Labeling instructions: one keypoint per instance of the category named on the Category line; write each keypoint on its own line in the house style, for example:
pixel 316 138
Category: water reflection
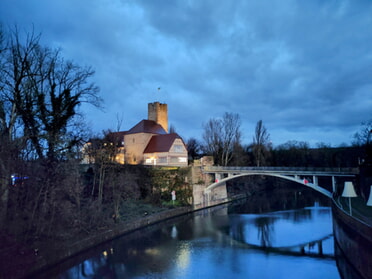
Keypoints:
pixel 223 242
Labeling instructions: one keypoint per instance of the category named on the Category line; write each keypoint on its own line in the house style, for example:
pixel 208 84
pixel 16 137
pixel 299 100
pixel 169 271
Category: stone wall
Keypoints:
pixel 87 243
pixel 135 144
pixel 159 113
pixel 354 238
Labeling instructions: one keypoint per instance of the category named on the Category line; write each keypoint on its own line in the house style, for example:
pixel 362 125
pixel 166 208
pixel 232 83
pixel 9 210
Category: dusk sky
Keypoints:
pixel 302 67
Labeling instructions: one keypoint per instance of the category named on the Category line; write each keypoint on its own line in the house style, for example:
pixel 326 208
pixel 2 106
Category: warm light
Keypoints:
pixel 152 251
pixel 183 257
pixel 105 254
pixel 369 202
pixel 349 191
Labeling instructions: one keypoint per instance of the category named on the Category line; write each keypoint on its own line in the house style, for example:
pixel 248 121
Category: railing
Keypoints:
pixel 294 170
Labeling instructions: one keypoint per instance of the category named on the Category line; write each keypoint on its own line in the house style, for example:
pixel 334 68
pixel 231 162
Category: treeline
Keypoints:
pixel 293 154
pixel 322 157
pixel 222 140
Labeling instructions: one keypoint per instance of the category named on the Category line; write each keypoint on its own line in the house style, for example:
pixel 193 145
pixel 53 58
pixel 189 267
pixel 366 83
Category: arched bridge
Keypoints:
pixel 304 176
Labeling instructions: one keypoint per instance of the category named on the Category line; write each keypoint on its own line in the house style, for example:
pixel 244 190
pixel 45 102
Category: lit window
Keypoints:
pixel 182 159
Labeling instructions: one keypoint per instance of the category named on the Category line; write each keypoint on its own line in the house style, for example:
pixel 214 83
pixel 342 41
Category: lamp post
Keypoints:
pixel 349 192
pixel 369 202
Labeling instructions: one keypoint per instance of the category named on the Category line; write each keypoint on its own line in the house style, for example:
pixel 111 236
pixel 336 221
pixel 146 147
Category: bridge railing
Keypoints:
pixel 281 169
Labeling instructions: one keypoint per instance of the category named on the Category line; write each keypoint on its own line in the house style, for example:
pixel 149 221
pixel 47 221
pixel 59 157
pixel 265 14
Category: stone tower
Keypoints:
pixel 159 113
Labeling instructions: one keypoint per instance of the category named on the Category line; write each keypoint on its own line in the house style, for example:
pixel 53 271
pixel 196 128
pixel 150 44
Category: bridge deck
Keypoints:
pixel 284 170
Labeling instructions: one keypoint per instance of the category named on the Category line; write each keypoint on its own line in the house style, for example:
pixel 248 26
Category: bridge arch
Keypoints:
pixel 223 181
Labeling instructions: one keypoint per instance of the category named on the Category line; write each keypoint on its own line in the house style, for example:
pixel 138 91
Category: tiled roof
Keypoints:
pixel 161 143
pixel 147 126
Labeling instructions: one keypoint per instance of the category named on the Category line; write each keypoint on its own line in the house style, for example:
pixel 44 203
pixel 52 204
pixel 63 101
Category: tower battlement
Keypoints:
pixel 159 113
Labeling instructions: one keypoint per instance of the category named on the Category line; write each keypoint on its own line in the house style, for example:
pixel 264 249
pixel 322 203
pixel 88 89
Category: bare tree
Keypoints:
pixel 12 72
pixel 221 136
pixel 361 138
pixel 40 94
pixel 261 144
pixel 119 121
pixel 231 135
pixel 44 91
pixel 193 148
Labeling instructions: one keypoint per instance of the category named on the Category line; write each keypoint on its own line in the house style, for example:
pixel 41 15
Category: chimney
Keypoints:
pixel 159 113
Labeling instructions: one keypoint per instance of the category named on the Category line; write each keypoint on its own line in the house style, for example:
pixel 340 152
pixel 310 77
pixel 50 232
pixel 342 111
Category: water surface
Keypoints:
pixel 223 242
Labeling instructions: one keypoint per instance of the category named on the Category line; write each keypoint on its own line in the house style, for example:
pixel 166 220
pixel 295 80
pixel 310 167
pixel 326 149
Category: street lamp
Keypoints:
pixel 349 192
pixel 369 202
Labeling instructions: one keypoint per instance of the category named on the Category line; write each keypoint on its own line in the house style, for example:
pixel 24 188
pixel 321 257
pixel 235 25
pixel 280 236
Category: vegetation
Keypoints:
pixel 261 144
pixel 221 136
pixel 290 154
pixel 167 180
pixel 46 194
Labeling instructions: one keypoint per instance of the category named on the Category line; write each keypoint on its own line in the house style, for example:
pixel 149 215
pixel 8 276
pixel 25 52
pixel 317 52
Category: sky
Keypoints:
pixel 302 67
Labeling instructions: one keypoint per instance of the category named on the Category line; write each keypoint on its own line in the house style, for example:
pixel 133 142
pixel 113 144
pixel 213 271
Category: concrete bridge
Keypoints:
pixel 305 176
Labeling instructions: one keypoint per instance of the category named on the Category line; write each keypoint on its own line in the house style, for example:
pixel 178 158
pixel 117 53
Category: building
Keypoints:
pixel 148 142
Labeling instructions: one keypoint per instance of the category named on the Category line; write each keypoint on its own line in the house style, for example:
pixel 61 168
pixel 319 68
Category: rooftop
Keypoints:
pixel 147 126
pixel 161 143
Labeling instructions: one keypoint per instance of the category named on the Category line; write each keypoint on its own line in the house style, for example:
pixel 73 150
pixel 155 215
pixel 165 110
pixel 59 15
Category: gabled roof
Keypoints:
pixel 161 143
pixel 147 126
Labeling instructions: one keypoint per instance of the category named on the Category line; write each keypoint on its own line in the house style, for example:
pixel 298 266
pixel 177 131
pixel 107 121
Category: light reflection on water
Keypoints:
pixel 283 228
pixel 222 243
pixel 212 246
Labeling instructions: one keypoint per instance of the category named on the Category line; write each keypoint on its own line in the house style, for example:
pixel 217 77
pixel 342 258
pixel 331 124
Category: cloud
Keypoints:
pixel 302 67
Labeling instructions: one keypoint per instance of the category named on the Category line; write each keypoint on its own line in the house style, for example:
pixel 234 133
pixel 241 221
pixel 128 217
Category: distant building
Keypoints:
pixel 149 143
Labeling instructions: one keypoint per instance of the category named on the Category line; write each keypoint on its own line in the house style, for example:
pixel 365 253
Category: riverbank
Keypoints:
pixel 353 238
pixel 19 260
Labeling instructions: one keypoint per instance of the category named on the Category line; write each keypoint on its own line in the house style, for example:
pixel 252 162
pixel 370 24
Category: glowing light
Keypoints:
pixel 105 254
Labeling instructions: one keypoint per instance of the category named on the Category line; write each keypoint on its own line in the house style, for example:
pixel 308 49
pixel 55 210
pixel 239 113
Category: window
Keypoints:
pixel 178 148
pixel 173 159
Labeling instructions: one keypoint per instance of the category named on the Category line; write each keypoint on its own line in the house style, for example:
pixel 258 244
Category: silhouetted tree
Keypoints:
pixel 193 148
pixel 292 153
pixel 240 156
pixel 221 136
pixel 40 93
pixel 43 91
pixel 261 144
pixel 362 136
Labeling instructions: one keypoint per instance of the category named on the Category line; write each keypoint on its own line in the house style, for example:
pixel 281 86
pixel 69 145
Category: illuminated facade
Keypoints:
pixel 149 143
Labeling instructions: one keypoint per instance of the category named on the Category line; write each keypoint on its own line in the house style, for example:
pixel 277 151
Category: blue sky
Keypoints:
pixel 302 67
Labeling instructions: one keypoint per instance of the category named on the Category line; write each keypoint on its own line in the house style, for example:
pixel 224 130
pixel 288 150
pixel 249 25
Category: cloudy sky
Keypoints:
pixel 302 67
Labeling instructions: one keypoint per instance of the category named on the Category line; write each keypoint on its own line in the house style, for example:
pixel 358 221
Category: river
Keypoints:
pixel 238 240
